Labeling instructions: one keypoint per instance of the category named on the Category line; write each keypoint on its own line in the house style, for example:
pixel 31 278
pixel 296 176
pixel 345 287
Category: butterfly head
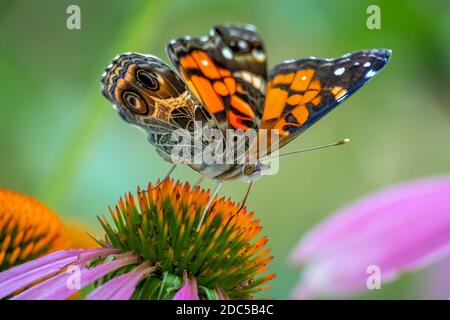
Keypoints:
pixel 134 83
pixel 254 171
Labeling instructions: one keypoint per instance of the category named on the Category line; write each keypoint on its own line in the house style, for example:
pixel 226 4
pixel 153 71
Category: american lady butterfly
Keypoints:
pixel 222 82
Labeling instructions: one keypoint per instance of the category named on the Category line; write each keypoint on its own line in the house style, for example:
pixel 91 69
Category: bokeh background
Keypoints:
pixel 61 141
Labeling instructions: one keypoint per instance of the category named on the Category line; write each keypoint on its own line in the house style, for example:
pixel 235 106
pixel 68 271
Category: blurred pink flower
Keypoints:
pixel 437 281
pixel 401 228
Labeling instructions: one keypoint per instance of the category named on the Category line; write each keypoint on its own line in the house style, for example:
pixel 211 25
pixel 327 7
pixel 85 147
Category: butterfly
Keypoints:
pixel 221 81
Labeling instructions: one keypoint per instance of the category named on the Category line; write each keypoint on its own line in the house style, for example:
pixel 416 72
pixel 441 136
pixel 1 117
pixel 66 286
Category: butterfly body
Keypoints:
pixel 222 84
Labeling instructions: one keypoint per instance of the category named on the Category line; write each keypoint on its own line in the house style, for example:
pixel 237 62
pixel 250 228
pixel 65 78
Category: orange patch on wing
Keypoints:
pixel 224 72
pixel 231 84
pixel 312 92
pixel 207 94
pixel 308 96
pixel 283 78
pixel 206 65
pixel 221 88
pixel 235 121
pixel 239 88
pixel 314 85
pixel 242 106
pixel 274 103
pixel 279 126
pixel 316 100
pixel 294 99
pixel 302 79
pixel 188 62
pixel 338 92
pixel 300 113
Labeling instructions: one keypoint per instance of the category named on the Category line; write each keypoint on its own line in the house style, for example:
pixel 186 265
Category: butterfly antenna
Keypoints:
pixel 335 144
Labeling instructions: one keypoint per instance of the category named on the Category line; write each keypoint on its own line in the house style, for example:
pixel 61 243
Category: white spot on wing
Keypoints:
pixel 246 76
pixel 205 62
pixel 339 71
pixel 257 82
pixel 234 33
pixel 367 64
pixel 242 44
pixel 341 97
pixel 250 27
pixel 227 53
pixel 371 73
pixel 259 55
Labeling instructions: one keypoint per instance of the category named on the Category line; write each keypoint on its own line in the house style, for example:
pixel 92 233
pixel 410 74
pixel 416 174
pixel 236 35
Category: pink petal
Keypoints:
pixel 401 228
pixel 25 274
pixel 121 287
pixel 437 281
pixel 57 288
pixel 188 291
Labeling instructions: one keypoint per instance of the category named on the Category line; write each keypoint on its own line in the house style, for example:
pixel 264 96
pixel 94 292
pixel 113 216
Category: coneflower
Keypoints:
pixel 153 250
pixel 28 229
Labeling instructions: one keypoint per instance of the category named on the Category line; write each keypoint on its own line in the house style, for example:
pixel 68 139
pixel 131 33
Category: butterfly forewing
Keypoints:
pixel 301 92
pixel 226 70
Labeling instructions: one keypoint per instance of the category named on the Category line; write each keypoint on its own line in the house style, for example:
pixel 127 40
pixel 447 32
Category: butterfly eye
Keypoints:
pixel 134 102
pixel 248 170
pixel 147 79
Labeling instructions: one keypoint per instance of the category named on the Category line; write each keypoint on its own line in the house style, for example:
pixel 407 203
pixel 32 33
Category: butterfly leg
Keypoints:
pixel 246 196
pixel 216 190
pixel 198 181
pixel 167 176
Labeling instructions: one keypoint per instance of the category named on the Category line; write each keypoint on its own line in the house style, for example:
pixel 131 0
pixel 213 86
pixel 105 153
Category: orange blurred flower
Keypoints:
pixel 29 229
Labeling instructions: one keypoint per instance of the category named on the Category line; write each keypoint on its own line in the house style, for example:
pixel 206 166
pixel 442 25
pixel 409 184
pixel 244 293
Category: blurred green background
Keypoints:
pixel 62 142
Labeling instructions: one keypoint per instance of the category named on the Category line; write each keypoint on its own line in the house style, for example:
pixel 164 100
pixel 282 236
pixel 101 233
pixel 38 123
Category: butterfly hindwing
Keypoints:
pixel 301 92
pixel 150 95
pixel 226 71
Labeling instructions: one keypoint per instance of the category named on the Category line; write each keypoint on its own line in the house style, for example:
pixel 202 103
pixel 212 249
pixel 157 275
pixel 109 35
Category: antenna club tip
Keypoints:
pixel 345 141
